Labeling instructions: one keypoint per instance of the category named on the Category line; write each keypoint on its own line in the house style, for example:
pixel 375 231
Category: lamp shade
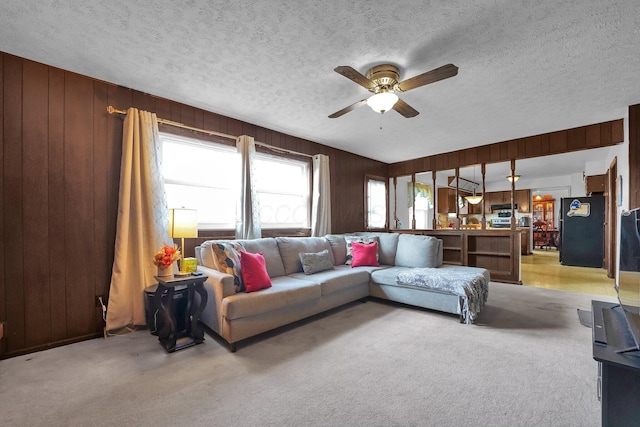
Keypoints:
pixel 475 199
pixel 383 101
pixel 183 223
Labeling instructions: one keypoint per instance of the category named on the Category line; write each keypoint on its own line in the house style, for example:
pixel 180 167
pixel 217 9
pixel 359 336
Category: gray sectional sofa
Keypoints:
pixel 294 295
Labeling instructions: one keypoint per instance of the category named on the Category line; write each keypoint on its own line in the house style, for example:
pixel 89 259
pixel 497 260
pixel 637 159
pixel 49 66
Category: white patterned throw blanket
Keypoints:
pixel 471 287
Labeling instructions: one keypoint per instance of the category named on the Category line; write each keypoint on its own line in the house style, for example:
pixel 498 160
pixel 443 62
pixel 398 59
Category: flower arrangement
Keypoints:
pixel 166 256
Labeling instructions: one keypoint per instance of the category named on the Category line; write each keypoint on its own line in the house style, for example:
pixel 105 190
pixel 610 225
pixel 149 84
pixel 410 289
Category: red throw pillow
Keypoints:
pixel 254 272
pixel 364 254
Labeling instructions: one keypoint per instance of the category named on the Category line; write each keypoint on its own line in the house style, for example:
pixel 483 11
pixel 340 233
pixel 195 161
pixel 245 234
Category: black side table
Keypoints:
pixel 168 335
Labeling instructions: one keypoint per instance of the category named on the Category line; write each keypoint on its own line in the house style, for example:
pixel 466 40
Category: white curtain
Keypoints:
pixel 248 209
pixel 142 220
pixel 321 204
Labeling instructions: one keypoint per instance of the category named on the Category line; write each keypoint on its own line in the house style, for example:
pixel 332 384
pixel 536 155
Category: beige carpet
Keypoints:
pixel 527 362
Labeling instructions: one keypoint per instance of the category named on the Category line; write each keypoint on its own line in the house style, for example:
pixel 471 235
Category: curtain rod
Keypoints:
pixel 112 110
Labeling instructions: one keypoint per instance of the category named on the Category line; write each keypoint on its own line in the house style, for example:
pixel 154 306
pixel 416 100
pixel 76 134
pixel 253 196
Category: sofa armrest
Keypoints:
pixel 218 286
pixel 221 282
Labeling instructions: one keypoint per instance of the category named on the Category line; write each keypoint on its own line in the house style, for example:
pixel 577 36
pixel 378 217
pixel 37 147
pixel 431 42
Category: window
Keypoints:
pixel 283 189
pixel 424 204
pixel 206 176
pixel 203 176
pixel 376 202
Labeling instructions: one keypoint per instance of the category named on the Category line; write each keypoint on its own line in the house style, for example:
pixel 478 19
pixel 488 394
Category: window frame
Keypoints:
pixel 205 140
pixel 291 158
pixel 368 178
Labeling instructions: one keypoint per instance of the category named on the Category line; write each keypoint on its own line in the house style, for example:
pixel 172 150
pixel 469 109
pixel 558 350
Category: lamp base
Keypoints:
pixel 182 274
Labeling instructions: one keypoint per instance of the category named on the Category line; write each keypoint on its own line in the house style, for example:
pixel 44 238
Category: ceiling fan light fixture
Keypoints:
pixel 513 178
pixel 382 102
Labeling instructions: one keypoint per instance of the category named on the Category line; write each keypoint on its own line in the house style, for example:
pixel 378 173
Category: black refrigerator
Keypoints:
pixel 582 231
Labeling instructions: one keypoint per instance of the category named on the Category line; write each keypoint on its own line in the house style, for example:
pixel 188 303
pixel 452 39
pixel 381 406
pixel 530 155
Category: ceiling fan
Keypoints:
pixel 382 81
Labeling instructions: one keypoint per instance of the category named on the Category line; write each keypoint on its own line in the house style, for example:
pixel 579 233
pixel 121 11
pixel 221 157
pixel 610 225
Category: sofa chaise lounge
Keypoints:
pixel 294 294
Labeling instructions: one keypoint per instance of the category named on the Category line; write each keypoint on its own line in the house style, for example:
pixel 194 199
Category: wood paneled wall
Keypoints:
pixel 580 138
pixel 60 154
pixel 634 156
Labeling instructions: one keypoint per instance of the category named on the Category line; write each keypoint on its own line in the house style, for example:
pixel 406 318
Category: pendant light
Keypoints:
pixel 475 198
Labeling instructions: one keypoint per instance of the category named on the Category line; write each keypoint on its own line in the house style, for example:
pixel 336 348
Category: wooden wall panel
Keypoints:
pixel 12 204
pixel 56 207
pixel 78 196
pixel 558 142
pixel 35 203
pixel 103 235
pixel 581 138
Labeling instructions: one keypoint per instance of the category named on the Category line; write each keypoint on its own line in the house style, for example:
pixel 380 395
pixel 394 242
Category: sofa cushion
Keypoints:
pixel 268 247
pixel 206 255
pixel 198 256
pixel 340 278
pixel 254 272
pixel 284 292
pixel 387 246
pixel 226 259
pixel 314 262
pixel 338 247
pixel 418 251
pixel 364 254
pixel 291 248
pixel 357 239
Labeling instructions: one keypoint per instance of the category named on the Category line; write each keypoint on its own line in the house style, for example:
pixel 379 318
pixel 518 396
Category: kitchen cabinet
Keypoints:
pixel 447 201
pixel 475 209
pixel 522 199
pixel 595 184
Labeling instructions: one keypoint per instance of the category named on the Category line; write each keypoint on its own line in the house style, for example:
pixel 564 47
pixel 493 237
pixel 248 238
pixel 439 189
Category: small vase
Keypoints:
pixel 164 271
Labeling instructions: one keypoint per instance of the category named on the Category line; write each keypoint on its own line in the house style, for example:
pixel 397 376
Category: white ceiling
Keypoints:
pixel 525 67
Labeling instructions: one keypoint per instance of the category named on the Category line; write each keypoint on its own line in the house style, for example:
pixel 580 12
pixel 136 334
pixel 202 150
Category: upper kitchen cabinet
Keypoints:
pixel 595 184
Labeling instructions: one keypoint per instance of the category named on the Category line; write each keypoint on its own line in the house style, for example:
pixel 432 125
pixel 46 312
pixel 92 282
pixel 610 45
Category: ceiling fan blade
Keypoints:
pixel 347 109
pixel 355 76
pixel 405 109
pixel 432 76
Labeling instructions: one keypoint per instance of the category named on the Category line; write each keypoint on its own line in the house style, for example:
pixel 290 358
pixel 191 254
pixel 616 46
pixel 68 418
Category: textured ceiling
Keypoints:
pixel 524 67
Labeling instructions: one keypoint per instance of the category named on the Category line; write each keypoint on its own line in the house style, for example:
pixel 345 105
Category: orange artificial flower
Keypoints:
pixel 166 256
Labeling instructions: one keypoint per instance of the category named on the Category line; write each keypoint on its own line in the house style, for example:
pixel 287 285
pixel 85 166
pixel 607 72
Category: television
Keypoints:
pixel 628 278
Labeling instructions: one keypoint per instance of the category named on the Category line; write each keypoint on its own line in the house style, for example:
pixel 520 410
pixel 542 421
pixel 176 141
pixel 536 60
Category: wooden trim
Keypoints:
pixel 367 178
pixel 581 138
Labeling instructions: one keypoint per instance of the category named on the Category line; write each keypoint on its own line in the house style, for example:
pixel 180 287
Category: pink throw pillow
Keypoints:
pixel 364 254
pixel 254 272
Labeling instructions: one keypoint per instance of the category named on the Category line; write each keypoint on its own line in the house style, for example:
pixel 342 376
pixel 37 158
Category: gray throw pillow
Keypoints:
pixel 314 262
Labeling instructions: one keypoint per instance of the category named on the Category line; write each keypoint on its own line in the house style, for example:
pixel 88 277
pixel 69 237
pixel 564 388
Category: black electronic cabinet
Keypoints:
pixel 618 370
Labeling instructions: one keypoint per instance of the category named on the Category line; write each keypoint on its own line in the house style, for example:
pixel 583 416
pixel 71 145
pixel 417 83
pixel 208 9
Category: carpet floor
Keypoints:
pixel 526 362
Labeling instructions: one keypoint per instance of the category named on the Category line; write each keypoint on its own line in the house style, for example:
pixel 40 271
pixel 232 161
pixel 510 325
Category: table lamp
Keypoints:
pixel 183 223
